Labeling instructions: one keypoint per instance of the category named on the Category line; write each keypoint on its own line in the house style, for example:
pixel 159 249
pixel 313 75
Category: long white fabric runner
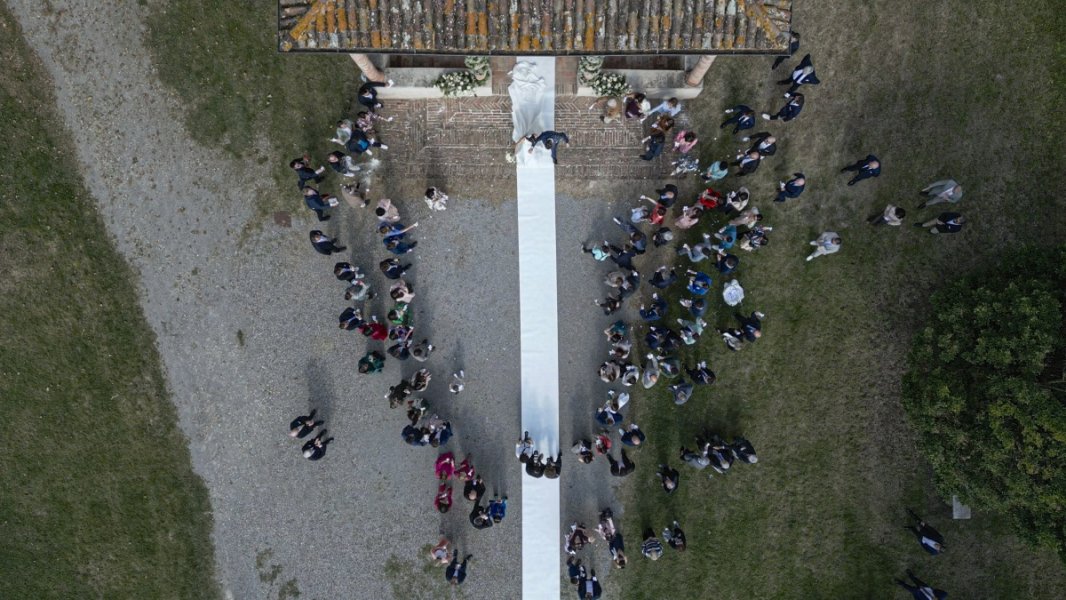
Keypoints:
pixel 533 109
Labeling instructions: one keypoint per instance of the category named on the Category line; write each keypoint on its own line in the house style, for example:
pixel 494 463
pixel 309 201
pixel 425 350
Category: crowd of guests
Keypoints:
pixel 726 220
pixel 393 336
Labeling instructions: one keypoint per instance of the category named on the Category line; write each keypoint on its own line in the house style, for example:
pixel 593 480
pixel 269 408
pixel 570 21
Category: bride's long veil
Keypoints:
pixel 527 91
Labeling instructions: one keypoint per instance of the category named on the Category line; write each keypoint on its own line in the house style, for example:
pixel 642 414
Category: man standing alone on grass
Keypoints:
pixel 791 188
pixel 827 243
pixel 864 169
pixel 945 190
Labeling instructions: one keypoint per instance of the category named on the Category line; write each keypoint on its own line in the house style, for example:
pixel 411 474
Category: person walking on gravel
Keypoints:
pixel 318 203
pixel 392 268
pixel 323 244
pixel 455 574
pixel 315 448
pixel 497 508
pixel 303 425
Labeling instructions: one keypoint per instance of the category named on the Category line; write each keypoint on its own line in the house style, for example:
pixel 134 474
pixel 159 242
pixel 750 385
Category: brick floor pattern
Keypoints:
pixel 469 138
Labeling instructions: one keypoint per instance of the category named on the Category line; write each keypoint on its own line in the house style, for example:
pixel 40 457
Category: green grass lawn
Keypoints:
pixel 955 89
pixel 99 499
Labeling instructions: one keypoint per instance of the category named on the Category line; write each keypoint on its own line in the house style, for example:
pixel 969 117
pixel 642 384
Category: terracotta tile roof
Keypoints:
pixel 535 26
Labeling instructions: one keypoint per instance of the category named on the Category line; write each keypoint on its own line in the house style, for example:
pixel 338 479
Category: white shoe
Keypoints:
pixel 369 153
pixel 729 111
pixel 391 83
pixel 383 147
pixel 809 258
pixel 766 116
pixel 744 139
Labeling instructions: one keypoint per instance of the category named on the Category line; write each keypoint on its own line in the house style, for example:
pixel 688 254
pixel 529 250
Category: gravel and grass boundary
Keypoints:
pixel 99 498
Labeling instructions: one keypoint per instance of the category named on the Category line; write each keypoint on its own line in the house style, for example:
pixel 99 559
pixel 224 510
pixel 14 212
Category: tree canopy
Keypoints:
pixel 986 390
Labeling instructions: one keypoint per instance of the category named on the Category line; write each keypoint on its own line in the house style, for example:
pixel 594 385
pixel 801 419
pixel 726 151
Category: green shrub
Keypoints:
pixel 986 392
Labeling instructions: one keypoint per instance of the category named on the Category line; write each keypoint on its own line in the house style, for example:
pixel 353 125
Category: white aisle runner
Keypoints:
pixel 533 109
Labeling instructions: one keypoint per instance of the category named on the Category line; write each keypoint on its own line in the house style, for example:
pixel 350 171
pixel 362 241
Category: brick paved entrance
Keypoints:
pixel 450 139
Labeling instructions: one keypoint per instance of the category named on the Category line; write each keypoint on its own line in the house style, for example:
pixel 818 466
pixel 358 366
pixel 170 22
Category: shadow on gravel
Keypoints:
pixel 320 389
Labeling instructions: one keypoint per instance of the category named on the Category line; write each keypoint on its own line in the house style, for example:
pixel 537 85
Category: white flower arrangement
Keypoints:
pixel 456 83
pixel 610 84
pixel 589 69
pixel 479 67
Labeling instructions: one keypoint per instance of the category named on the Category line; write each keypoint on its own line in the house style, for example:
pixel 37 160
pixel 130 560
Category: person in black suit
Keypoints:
pixel 392 268
pixel 456 572
pixel 764 143
pixel 623 468
pixel 303 425
pixel 803 74
pixel 345 271
pixel 315 448
pixel 793 46
pixel 588 588
pixel 316 202
pixel 789 111
pixel 305 173
pixel 324 244
pixel 921 590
